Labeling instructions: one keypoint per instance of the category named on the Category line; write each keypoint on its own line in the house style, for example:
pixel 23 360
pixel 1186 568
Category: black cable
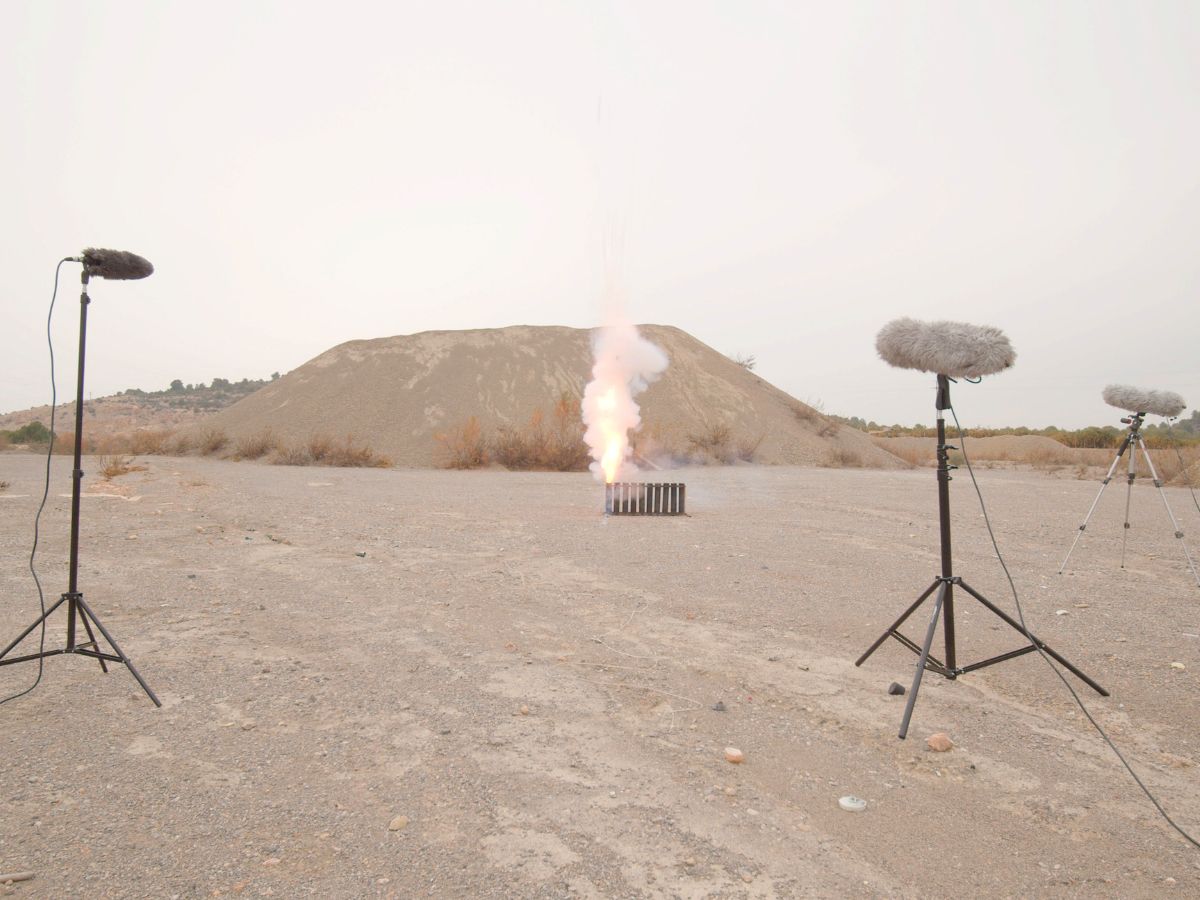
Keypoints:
pixel 45 493
pixel 1025 630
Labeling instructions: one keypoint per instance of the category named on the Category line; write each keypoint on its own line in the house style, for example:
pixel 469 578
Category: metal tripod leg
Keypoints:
pixel 900 621
pixel 1167 506
pixel 1128 499
pixel 86 612
pixel 1096 502
pixel 28 631
pixel 87 626
pixel 916 684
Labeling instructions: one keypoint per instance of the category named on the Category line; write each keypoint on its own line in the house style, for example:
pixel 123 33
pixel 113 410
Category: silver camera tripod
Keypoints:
pixel 1132 442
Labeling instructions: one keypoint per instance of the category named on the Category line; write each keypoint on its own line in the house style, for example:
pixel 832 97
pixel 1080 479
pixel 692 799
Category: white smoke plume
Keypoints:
pixel 626 364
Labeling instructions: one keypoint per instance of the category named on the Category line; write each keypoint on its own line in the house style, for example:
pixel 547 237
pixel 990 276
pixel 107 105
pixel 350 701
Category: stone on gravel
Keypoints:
pixel 398 823
pixel 939 742
pixel 734 755
pixel 896 689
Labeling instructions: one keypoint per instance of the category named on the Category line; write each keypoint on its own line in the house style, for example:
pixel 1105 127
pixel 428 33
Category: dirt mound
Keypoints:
pixel 396 394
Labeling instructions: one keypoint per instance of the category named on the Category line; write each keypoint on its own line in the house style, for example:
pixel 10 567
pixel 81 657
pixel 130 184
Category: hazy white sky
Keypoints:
pixel 778 179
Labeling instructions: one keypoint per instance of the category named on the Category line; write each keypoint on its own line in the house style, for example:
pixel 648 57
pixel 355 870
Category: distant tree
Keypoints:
pixel 33 433
pixel 274 376
pixel 176 386
pixel 220 384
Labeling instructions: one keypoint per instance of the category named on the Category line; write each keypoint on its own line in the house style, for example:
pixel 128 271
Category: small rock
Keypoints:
pixel 896 689
pixel 939 742
pixel 524 710
pixel 273 861
pixel 747 877
pixel 398 824
pixel 360 555
pixel 719 706
pixel 734 755
pixel 1060 612
pixel 690 861
pixel 1178 665
pixel 730 792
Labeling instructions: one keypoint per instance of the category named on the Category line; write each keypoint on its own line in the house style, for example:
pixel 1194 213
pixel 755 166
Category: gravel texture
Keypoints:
pixel 510 696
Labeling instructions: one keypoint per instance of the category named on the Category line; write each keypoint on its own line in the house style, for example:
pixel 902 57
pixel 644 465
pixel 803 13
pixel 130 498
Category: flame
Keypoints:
pixel 625 365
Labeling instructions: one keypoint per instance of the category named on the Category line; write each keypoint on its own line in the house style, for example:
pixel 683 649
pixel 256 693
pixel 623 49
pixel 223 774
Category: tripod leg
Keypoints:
pixel 1034 639
pixel 1170 514
pixel 1095 503
pixel 28 631
pixel 1128 498
pixel 88 614
pixel 87 626
pixel 916 685
pixel 900 621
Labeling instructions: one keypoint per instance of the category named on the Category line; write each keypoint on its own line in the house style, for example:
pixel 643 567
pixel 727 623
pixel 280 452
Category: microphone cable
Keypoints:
pixel 1025 630
pixel 45 493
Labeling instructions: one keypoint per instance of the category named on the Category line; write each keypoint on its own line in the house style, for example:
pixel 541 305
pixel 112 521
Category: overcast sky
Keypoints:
pixel 779 179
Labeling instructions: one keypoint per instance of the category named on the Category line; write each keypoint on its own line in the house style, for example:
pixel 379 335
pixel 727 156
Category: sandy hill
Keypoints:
pixel 395 394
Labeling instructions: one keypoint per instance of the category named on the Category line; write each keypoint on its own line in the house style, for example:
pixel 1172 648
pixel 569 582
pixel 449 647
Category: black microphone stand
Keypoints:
pixel 77 608
pixel 944 585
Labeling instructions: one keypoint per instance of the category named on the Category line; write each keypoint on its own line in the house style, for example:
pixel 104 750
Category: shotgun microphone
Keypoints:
pixel 115 265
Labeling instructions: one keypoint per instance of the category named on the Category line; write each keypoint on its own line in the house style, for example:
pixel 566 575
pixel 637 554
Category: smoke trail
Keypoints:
pixel 626 364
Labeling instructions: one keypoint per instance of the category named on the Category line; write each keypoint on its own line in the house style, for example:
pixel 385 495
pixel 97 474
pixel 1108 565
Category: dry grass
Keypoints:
pixel 255 446
pixel 554 446
pixel 150 441
pixel 463 447
pixel 212 441
pixel 64 443
pixel 841 458
pixel 322 450
pixel 714 444
pixel 747 448
pixel 4 441
pixel 116 465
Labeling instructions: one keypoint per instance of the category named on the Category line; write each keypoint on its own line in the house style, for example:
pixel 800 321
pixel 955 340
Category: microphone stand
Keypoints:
pixel 943 605
pixel 77 608
pixel 1132 441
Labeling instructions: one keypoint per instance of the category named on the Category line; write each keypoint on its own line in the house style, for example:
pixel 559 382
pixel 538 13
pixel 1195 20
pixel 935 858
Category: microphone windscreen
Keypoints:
pixel 115 264
pixel 945 348
pixel 1132 399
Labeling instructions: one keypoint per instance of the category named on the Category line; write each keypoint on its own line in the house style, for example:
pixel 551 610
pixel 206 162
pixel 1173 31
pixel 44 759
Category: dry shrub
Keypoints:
pixel 1048 458
pixel 256 445
pixel 212 440
pixel 554 447
pixel 116 465
pixel 4 441
pixel 914 455
pixel 463 447
pixel 841 458
pixel 150 441
pixel 1177 465
pixel 64 443
pixel 292 455
pixel 344 453
pixel 747 449
pixel 318 448
pixel 179 445
pixel 714 443
pixel 4 485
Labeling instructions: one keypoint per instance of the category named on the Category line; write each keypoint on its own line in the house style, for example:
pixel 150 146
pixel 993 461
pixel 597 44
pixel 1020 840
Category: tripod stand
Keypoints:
pixel 77 608
pixel 1132 437
pixel 942 589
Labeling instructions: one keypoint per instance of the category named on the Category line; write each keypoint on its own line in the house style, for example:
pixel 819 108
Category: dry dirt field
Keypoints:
pixel 532 688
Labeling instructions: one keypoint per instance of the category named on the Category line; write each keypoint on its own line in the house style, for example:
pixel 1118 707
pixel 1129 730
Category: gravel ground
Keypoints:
pixel 523 690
